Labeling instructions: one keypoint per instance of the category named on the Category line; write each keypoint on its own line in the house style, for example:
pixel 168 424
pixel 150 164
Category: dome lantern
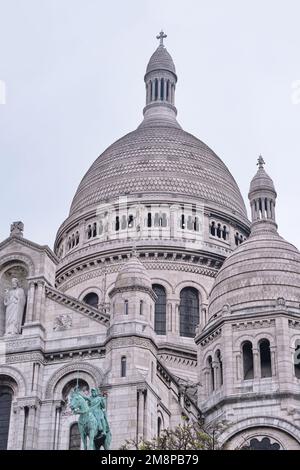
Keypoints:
pixel 262 197
pixel 160 80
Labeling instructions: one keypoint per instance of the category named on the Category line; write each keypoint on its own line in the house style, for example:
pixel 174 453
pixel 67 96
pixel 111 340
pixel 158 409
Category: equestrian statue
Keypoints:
pixel 92 422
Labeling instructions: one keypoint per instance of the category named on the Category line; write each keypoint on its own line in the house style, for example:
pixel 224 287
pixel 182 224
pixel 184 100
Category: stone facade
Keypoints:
pixel 134 299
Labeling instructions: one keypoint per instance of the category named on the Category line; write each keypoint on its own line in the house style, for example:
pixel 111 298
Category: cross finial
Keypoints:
pixel 161 36
pixel 260 162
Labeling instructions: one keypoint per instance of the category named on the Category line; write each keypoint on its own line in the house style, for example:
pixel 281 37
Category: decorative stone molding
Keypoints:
pixel 77 306
pixel 294 324
pixel 16 257
pixel 95 373
pixel 210 338
pixel 245 325
pixel 163 261
pixel 17 376
pixel 178 361
pixel 131 341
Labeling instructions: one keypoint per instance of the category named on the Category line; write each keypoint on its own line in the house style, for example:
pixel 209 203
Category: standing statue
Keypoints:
pixel 92 421
pixel 14 301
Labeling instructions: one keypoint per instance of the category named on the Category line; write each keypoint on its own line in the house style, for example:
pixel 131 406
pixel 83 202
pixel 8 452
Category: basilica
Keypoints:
pixel 159 294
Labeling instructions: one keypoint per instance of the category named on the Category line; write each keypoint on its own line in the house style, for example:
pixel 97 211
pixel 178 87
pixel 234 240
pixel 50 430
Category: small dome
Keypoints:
pixel 161 60
pixel 262 269
pixel 133 274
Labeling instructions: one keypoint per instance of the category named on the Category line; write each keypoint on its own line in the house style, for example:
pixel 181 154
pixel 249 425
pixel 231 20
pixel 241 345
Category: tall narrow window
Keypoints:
pixel 213 229
pixel 156 89
pixel 189 311
pixel 162 89
pixel 182 222
pixel 160 309
pixel 248 360
pixel 211 375
pixel 265 358
pixel 159 425
pixel 220 368
pixel 5 410
pixel 130 221
pixel 149 220
pixel 123 366
pixel 141 307
pixel 74 439
pixel 126 307
pixel 117 224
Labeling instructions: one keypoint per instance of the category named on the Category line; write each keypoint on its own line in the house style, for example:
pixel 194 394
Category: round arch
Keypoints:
pixel 249 424
pixel 91 374
pixel 17 377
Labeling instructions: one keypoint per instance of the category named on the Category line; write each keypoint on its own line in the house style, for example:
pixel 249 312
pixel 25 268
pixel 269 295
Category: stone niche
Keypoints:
pixel 7 273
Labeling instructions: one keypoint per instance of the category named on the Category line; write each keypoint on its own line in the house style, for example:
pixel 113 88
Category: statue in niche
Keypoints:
pixel 14 302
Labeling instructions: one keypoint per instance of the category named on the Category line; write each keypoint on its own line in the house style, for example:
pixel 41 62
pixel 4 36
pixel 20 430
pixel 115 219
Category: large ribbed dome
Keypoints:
pixel 164 160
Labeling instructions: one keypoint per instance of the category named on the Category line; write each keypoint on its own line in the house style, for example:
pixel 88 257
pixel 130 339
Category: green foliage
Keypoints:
pixel 186 436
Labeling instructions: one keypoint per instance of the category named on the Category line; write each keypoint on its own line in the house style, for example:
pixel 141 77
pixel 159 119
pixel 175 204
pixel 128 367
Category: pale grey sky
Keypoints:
pixel 73 71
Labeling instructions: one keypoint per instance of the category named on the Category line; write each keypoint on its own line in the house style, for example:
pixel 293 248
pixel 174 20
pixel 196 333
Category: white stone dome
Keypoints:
pixel 159 159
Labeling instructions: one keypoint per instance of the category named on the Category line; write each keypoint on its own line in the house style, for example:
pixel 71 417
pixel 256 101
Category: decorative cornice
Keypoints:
pixel 78 306
pixel 30 244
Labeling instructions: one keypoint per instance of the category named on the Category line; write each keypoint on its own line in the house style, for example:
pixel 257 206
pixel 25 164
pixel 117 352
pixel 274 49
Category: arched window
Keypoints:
pixel 265 358
pixel 211 377
pixel 117 223
pixel 219 231
pixel 297 359
pixel 149 220
pixel 248 360
pixel 6 395
pixel 123 366
pixel 141 307
pixel 159 425
pixel 213 229
pixel 125 307
pixel 219 368
pixel 189 311
pixel 160 309
pixel 74 439
pixel 91 299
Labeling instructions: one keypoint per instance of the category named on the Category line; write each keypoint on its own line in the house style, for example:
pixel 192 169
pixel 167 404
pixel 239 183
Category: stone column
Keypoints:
pixel 256 364
pixel 57 427
pixel 39 297
pixel 273 361
pixel 29 438
pixel 215 366
pixel 239 369
pixel 30 302
pixel 159 89
pixel 165 89
pixel 19 425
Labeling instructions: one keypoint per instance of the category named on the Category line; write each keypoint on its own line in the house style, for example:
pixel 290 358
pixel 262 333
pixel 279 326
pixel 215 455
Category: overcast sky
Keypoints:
pixel 73 72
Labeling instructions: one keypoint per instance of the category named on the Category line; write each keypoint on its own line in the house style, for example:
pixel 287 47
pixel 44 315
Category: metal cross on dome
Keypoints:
pixel 260 162
pixel 161 36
